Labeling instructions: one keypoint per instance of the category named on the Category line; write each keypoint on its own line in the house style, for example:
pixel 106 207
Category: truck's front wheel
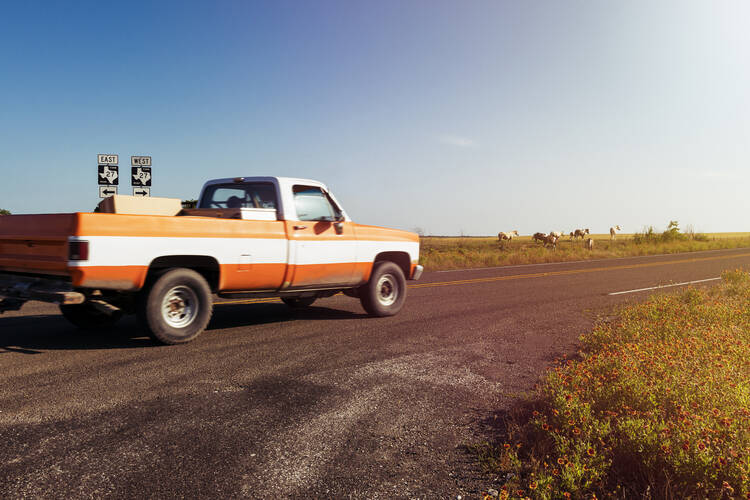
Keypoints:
pixel 177 307
pixel 385 293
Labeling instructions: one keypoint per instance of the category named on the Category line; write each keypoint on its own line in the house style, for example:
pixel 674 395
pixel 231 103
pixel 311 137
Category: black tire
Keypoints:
pixel 298 302
pixel 385 293
pixel 87 317
pixel 176 308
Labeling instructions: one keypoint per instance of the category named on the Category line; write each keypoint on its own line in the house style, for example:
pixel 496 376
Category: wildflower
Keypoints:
pixel 591 452
pixel 533 486
pixel 701 445
pixel 716 412
pixel 576 431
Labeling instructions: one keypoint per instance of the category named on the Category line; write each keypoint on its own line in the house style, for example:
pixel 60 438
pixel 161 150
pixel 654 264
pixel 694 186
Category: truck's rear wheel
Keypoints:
pixel 87 317
pixel 298 302
pixel 385 293
pixel 177 307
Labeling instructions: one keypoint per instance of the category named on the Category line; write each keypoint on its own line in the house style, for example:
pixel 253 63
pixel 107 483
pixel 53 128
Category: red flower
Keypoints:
pixel 591 452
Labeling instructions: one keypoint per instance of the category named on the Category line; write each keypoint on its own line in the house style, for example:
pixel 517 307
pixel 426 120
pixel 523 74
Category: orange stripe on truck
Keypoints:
pixel 109 277
pixel 179 227
pixel 233 276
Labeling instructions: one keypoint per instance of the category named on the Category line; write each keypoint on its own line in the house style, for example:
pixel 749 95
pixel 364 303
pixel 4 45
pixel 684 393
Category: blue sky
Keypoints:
pixel 454 117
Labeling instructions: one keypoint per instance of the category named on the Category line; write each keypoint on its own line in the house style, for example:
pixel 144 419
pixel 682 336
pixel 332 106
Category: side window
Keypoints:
pixel 312 204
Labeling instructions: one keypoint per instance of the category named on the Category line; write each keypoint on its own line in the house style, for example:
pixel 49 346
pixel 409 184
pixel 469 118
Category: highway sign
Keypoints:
pixel 105 191
pixel 141 191
pixel 140 161
pixel 108 175
pixel 107 159
pixel 140 176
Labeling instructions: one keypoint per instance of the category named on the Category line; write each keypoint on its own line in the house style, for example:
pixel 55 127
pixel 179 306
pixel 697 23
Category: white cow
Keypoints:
pixel 613 232
pixel 507 236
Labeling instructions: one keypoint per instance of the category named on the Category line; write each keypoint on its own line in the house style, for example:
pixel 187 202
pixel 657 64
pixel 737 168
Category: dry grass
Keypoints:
pixel 439 253
pixel 657 406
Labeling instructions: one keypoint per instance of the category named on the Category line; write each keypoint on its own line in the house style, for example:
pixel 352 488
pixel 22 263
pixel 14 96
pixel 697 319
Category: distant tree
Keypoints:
pixel 189 203
pixel 4 212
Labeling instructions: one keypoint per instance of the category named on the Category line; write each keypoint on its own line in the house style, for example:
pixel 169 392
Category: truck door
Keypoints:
pixel 322 245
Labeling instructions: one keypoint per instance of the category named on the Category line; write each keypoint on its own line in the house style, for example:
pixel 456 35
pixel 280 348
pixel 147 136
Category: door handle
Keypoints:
pixel 300 227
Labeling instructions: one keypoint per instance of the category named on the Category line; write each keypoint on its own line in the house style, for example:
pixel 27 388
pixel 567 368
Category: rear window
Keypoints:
pixel 249 195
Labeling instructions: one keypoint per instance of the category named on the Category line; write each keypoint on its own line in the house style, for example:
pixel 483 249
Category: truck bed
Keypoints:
pixel 121 246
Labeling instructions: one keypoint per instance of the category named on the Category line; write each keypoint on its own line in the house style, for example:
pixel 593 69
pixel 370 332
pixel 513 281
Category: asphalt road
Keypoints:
pixel 323 402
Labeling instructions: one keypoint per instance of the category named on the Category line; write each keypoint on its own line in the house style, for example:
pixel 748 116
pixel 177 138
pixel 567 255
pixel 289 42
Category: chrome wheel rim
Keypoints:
pixel 179 307
pixel 387 290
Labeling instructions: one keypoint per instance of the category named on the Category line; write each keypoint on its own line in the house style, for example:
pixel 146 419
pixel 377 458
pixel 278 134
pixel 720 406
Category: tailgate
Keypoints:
pixel 36 244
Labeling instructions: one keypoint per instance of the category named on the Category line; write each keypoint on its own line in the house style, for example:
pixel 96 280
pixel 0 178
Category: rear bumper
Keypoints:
pixel 417 272
pixel 15 290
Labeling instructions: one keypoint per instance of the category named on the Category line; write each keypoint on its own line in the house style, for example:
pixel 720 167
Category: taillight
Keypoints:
pixel 78 250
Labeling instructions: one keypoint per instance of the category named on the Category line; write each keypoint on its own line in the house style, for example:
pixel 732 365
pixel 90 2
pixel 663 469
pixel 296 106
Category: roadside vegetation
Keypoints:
pixel 439 253
pixel 4 211
pixel 657 405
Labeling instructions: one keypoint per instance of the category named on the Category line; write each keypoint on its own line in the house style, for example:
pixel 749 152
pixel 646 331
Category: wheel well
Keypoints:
pixel 401 259
pixel 206 266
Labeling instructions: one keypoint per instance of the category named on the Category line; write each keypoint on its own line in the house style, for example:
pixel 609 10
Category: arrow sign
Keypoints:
pixel 108 175
pixel 141 176
pixel 105 191
pixel 142 191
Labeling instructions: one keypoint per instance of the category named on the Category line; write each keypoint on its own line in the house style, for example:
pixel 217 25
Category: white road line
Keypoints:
pixel 585 261
pixel 664 286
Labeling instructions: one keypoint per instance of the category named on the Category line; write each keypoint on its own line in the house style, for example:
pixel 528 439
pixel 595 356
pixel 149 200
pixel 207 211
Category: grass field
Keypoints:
pixel 439 253
pixel 657 405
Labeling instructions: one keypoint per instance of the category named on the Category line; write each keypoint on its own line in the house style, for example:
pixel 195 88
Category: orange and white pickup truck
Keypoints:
pixel 248 237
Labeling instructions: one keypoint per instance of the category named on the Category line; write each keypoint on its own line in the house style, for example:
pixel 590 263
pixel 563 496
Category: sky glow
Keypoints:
pixel 454 117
